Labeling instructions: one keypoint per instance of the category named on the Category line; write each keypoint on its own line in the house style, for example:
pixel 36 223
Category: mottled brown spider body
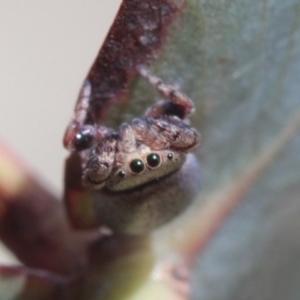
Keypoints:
pixel 136 172
pixel 140 173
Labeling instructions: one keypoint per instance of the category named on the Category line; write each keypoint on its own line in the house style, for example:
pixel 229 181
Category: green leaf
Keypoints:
pixel 240 62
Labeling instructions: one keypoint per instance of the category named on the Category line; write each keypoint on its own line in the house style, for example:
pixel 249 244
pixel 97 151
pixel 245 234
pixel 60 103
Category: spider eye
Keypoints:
pixel 170 156
pixel 122 174
pixel 137 166
pixel 83 139
pixel 153 160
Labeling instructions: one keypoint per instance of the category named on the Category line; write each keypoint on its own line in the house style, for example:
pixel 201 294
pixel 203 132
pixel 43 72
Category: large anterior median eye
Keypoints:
pixel 137 166
pixel 153 160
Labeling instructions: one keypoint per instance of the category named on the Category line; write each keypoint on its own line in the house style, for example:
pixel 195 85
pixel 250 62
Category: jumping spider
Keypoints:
pixel 143 174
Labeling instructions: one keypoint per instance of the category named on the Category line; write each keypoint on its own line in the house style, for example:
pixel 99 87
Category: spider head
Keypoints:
pixel 146 151
pixel 133 169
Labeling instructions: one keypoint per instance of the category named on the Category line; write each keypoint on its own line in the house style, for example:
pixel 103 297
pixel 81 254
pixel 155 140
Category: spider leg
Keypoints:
pixel 168 132
pixel 127 141
pixel 79 135
pixel 179 104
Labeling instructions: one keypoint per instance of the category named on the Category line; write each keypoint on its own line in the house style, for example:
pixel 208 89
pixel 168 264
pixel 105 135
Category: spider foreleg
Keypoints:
pixel 168 132
pixel 127 139
pixel 79 135
pixel 180 104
